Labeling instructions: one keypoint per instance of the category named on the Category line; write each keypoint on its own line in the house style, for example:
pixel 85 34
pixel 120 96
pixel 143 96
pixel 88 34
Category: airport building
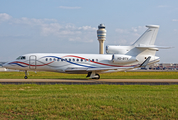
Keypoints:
pixel 163 66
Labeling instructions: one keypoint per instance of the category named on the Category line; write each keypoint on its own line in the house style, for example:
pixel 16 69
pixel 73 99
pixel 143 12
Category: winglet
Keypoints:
pixel 144 64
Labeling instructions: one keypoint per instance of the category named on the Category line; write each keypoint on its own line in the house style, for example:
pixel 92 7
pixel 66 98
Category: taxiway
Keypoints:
pixel 85 81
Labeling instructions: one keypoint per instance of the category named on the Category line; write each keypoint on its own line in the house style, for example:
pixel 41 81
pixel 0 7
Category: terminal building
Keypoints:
pixel 163 66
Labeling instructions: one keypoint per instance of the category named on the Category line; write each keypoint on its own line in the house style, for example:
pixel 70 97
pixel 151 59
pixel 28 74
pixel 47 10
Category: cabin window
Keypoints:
pixel 96 60
pixel 69 59
pixel 73 59
pixel 93 60
pixel 119 58
pixel 77 60
pixel 58 59
pixel 46 59
pixel 54 59
pixel 66 59
pixel 81 60
pixel 50 59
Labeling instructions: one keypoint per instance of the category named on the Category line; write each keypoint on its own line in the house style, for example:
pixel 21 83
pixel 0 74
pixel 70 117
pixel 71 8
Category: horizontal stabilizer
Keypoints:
pixel 153 46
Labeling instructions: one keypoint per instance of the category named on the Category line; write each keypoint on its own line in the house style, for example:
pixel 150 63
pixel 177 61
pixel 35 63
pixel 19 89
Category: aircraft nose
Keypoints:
pixel 6 65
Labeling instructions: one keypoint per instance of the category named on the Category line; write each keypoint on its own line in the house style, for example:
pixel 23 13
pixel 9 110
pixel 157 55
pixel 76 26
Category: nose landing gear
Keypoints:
pixel 25 75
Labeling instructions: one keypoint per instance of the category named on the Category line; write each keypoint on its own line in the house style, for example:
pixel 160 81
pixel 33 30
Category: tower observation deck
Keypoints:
pixel 101 34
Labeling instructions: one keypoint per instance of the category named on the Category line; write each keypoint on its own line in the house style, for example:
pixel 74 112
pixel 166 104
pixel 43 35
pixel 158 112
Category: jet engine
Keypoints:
pixel 117 49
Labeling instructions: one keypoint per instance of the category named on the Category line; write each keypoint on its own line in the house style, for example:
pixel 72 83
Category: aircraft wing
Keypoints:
pixel 108 68
pixel 77 70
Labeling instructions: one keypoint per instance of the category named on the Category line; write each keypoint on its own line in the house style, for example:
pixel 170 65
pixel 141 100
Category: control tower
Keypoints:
pixel 101 34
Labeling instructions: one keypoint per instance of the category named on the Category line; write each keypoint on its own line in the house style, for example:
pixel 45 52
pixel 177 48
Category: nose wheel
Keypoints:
pixel 25 75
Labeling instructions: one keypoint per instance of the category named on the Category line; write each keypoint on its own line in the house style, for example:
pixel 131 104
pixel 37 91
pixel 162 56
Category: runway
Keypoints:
pixel 92 82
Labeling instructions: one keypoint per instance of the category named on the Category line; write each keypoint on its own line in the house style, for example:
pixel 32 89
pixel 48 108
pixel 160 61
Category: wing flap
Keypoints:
pixel 110 68
pixel 98 69
pixel 75 69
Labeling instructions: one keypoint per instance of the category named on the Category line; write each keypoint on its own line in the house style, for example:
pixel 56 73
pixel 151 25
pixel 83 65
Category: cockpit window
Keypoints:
pixel 18 58
pixel 21 58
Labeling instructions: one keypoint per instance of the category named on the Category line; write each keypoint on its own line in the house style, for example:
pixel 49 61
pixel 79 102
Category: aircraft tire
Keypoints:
pixel 98 76
pixel 25 77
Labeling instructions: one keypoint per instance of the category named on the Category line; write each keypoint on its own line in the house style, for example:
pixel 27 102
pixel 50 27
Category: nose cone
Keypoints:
pixel 5 65
pixel 8 65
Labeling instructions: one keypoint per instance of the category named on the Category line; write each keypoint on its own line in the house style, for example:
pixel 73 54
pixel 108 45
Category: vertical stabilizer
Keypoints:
pixel 149 36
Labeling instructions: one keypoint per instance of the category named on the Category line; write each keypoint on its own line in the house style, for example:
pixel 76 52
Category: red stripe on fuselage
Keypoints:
pixel 94 61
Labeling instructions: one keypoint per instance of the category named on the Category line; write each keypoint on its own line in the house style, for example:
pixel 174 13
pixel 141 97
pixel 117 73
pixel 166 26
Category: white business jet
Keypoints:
pixel 118 58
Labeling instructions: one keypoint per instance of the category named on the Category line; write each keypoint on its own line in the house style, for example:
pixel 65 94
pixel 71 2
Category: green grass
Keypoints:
pixel 118 75
pixel 88 102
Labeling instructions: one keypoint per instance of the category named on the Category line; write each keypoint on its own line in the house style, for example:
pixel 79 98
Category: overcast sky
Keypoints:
pixel 69 26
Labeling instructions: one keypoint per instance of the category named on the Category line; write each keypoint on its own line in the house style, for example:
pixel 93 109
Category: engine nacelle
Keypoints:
pixel 117 49
pixel 123 59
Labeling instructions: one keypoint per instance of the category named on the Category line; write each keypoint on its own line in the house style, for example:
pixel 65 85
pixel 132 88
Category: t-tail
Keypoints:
pixel 142 48
pixel 149 36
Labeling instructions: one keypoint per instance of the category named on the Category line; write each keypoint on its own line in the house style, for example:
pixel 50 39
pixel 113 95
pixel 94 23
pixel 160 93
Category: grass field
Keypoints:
pixel 32 101
pixel 118 75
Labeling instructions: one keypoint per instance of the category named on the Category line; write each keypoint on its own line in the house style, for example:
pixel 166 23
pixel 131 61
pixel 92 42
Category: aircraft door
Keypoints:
pixel 32 62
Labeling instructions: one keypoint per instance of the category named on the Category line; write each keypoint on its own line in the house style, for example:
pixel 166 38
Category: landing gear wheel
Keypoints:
pixel 98 76
pixel 25 74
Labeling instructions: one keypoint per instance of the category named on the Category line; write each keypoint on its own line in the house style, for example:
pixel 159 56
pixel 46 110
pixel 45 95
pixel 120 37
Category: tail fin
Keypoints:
pixel 149 36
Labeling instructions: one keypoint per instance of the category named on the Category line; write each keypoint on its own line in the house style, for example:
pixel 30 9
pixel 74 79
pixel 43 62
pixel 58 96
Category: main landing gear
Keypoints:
pixel 93 75
pixel 25 75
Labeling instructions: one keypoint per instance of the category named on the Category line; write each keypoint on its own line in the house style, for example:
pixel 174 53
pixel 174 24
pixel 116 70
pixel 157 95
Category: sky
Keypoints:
pixel 69 26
